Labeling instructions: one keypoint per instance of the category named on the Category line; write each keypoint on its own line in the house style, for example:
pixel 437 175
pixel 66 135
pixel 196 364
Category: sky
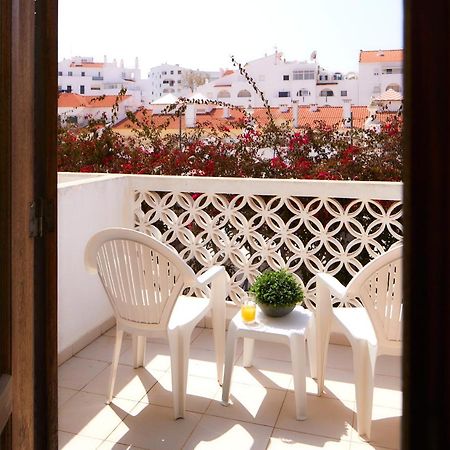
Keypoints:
pixel 203 34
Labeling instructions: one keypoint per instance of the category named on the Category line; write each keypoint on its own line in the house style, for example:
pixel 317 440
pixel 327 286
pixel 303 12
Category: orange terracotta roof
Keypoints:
pixel 329 115
pixel 93 65
pixel 228 72
pixel 73 100
pixel 371 56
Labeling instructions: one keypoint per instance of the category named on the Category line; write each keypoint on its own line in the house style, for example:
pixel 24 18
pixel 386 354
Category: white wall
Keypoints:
pixel 84 207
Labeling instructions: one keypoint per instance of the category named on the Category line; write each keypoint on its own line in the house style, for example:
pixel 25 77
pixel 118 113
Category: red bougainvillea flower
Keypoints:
pixel 277 163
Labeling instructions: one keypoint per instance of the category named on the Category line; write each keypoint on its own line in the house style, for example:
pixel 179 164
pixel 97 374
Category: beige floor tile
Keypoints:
pixel 77 372
pixel 69 441
pixel 102 349
pixel 264 372
pixel 131 384
pixel 389 365
pixel 157 356
pixel 202 363
pixel 200 392
pixel 205 340
pixel 340 357
pixel 253 404
pixel 64 394
pixel 365 446
pixel 388 392
pixel 153 427
pixel 290 440
pixel 272 350
pixel 112 332
pixel 325 417
pixel 216 433
pixel 386 428
pixel 108 445
pixel 340 384
pixel 86 414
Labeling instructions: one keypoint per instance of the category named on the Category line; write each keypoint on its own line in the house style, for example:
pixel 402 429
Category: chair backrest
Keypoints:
pixel 142 276
pixel 379 287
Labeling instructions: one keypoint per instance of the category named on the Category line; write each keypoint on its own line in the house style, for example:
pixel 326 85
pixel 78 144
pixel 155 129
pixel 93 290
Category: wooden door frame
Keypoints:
pixel 28 171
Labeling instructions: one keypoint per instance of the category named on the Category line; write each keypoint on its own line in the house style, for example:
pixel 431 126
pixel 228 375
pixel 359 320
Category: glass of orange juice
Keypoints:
pixel 248 309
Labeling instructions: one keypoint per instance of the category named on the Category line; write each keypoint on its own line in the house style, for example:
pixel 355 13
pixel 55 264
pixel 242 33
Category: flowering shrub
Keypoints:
pixel 242 148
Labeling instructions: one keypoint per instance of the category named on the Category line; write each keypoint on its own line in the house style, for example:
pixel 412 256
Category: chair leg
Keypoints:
pixel 139 344
pixel 229 363
pixel 218 311
pixel 312 350
pixel 298 357
pixel 115 363
pixel 179 359
pixel 247 357
pixel 322 338
pixel 364 367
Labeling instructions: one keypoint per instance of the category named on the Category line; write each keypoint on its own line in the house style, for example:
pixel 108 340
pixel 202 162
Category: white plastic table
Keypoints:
pixel 290 329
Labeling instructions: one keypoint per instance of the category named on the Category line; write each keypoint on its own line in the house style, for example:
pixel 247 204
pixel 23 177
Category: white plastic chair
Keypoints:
pixel 290 329
pixel 373 330
pixel 144 279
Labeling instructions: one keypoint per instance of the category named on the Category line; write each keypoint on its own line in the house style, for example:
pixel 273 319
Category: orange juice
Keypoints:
pixel 248 312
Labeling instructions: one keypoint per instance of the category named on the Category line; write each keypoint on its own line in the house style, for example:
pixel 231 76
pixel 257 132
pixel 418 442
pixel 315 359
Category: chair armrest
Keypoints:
pixel 333 285
pixel 211 274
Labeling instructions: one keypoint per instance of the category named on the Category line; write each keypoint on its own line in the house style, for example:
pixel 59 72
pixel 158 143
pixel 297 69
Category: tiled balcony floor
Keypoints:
pixel 261 416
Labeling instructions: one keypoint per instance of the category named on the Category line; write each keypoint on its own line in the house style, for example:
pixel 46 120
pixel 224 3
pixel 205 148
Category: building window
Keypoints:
pixel 179 81
pixel 59 88
pixel 81 89
pixel 337 76
pixel 95 88
pixel 244 93
pixel 303 93
pixel 179 72
pixel 171 72
pixel 59 74
pixel 284 94
pixel 285 77
pixel 69 89
pixel 343 93
pixel 69 74
pixel 83 74
pixel 389 71
pixel 326 93
pixel 164 73
pixel 297 75
pixel 223 94
pixel 309 74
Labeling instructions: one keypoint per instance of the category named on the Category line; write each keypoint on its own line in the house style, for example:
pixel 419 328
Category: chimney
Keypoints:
pixel 347 113
pixel 121 63
pixel 226 112
pixel 295 114
pixel 190 116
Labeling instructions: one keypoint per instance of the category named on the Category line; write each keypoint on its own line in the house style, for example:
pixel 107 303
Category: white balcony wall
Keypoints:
pixel 86 204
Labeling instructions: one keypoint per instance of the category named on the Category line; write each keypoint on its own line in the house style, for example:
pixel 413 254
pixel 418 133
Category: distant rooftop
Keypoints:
pixel 371 56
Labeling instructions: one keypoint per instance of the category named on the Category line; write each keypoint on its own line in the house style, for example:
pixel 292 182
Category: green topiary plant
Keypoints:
pixel 277 290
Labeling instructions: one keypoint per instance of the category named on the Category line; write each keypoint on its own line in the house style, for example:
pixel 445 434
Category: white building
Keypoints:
pixel 172 79
pixel 81 75
pixel 284 82
pixel 379 71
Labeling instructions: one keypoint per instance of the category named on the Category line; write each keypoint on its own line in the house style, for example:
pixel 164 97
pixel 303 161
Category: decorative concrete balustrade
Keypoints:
pixel 247 225
pixel 250 225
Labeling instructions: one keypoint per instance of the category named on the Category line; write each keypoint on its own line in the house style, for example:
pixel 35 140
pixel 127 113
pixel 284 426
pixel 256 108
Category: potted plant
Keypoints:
pixel 277 292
